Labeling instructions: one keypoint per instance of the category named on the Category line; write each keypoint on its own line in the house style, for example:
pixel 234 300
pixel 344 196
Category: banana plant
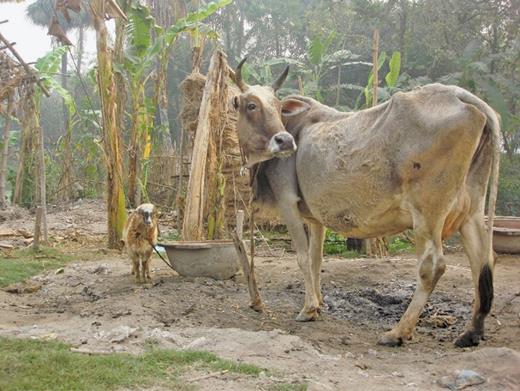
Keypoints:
pixel 391 78
pixel 138 67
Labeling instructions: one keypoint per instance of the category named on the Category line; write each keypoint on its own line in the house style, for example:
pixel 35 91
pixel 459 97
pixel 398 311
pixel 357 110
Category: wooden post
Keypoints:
pixel 192 226
pixel 41 213
pixel 37 229
pixel 247 267
pixel 240 223
pixel 5 150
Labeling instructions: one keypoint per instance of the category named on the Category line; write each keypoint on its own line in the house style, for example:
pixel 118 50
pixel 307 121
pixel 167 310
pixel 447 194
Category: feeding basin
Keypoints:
pixel 506 234
pixel 211 258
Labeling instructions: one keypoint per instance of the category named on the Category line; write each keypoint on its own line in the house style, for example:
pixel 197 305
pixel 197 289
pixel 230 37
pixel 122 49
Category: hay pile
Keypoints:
pixel 11 75
pixel 224 142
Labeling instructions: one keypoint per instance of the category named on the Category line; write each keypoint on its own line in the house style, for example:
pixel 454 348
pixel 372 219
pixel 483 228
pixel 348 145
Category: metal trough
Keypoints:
pixel 212 258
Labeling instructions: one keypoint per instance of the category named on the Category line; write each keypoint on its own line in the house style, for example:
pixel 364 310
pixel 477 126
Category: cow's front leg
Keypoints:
pixel 296 228
pixel 317 235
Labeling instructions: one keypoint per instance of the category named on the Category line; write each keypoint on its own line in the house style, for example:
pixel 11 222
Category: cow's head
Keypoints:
pixel 261 133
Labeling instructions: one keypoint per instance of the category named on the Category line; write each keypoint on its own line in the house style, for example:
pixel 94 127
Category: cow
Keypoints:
pixel 421 160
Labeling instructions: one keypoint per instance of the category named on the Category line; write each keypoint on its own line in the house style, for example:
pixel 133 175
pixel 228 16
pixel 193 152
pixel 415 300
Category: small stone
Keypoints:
pixel 372 352
pixel 467 378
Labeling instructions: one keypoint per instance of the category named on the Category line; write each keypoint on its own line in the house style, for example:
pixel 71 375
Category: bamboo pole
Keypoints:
pixel 375 61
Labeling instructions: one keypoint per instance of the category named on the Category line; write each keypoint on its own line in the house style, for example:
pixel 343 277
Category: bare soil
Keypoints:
pixel 96 306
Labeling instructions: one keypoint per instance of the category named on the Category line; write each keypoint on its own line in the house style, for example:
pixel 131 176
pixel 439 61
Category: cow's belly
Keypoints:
pixel 350 193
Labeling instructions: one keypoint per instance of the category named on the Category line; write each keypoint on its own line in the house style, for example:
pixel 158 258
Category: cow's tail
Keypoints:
pixel 493 128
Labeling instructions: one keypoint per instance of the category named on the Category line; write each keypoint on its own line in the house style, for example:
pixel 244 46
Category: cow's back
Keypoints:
pixel 358 175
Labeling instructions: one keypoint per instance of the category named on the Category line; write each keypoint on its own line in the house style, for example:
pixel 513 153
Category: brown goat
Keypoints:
pixel 139 234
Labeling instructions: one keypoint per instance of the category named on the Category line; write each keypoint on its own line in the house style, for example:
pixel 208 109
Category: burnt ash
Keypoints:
pixel 382 305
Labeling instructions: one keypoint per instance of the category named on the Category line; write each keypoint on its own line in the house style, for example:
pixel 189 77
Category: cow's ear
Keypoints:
pixel 292 107
pixel 234 102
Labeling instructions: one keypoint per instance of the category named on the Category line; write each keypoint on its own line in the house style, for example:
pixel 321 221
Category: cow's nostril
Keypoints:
pixel 279 140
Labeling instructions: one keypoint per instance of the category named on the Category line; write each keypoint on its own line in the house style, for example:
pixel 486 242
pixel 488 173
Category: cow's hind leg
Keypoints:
pixel 474 238
pixel 431 266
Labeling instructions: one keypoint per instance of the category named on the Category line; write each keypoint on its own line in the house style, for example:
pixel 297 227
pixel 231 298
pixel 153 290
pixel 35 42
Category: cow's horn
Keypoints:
pixel 278 83
pixel 238 76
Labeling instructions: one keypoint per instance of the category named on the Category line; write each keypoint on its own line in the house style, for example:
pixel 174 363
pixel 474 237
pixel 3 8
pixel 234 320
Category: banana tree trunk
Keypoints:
pixel 116 208
pixel 26 157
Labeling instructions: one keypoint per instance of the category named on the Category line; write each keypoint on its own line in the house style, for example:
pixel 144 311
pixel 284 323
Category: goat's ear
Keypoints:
pixel 235 102
pixel 292 107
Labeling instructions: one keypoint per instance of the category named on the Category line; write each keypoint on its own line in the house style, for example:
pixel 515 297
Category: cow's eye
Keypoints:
pixel 251 106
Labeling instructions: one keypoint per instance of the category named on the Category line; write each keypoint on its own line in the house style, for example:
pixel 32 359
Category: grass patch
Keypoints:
pixel 25 263
pixel 43 365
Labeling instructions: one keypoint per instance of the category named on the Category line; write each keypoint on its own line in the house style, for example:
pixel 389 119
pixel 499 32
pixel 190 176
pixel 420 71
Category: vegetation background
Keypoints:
pixel 471 43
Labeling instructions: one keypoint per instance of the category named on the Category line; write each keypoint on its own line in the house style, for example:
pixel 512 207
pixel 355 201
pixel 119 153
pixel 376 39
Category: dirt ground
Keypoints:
pixel 95 305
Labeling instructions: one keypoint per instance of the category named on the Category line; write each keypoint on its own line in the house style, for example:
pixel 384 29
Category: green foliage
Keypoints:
pixel 391 77
pixel 43 365
pixel 47 66
pixel 25 263
pixel 399 245
pixel 508 202
pixel 335 244
pixel 395 66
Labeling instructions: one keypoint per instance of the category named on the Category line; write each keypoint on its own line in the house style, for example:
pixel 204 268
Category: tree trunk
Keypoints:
pixel 120 91
pixel 66 176
pixel 134 146
pixel 403 18
pixel 116 208
pixel 5 151
pixel 81 49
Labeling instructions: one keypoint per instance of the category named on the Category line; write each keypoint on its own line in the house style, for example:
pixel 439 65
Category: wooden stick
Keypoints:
pixel 249 274
pixel 6 47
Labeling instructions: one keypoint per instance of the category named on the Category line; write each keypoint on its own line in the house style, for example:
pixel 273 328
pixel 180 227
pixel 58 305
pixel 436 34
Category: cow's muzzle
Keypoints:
pixel 282 144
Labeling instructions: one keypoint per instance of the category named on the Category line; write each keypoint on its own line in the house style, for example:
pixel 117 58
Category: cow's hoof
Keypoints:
pixel 467 339
pixel 307 316
pixel 391 340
